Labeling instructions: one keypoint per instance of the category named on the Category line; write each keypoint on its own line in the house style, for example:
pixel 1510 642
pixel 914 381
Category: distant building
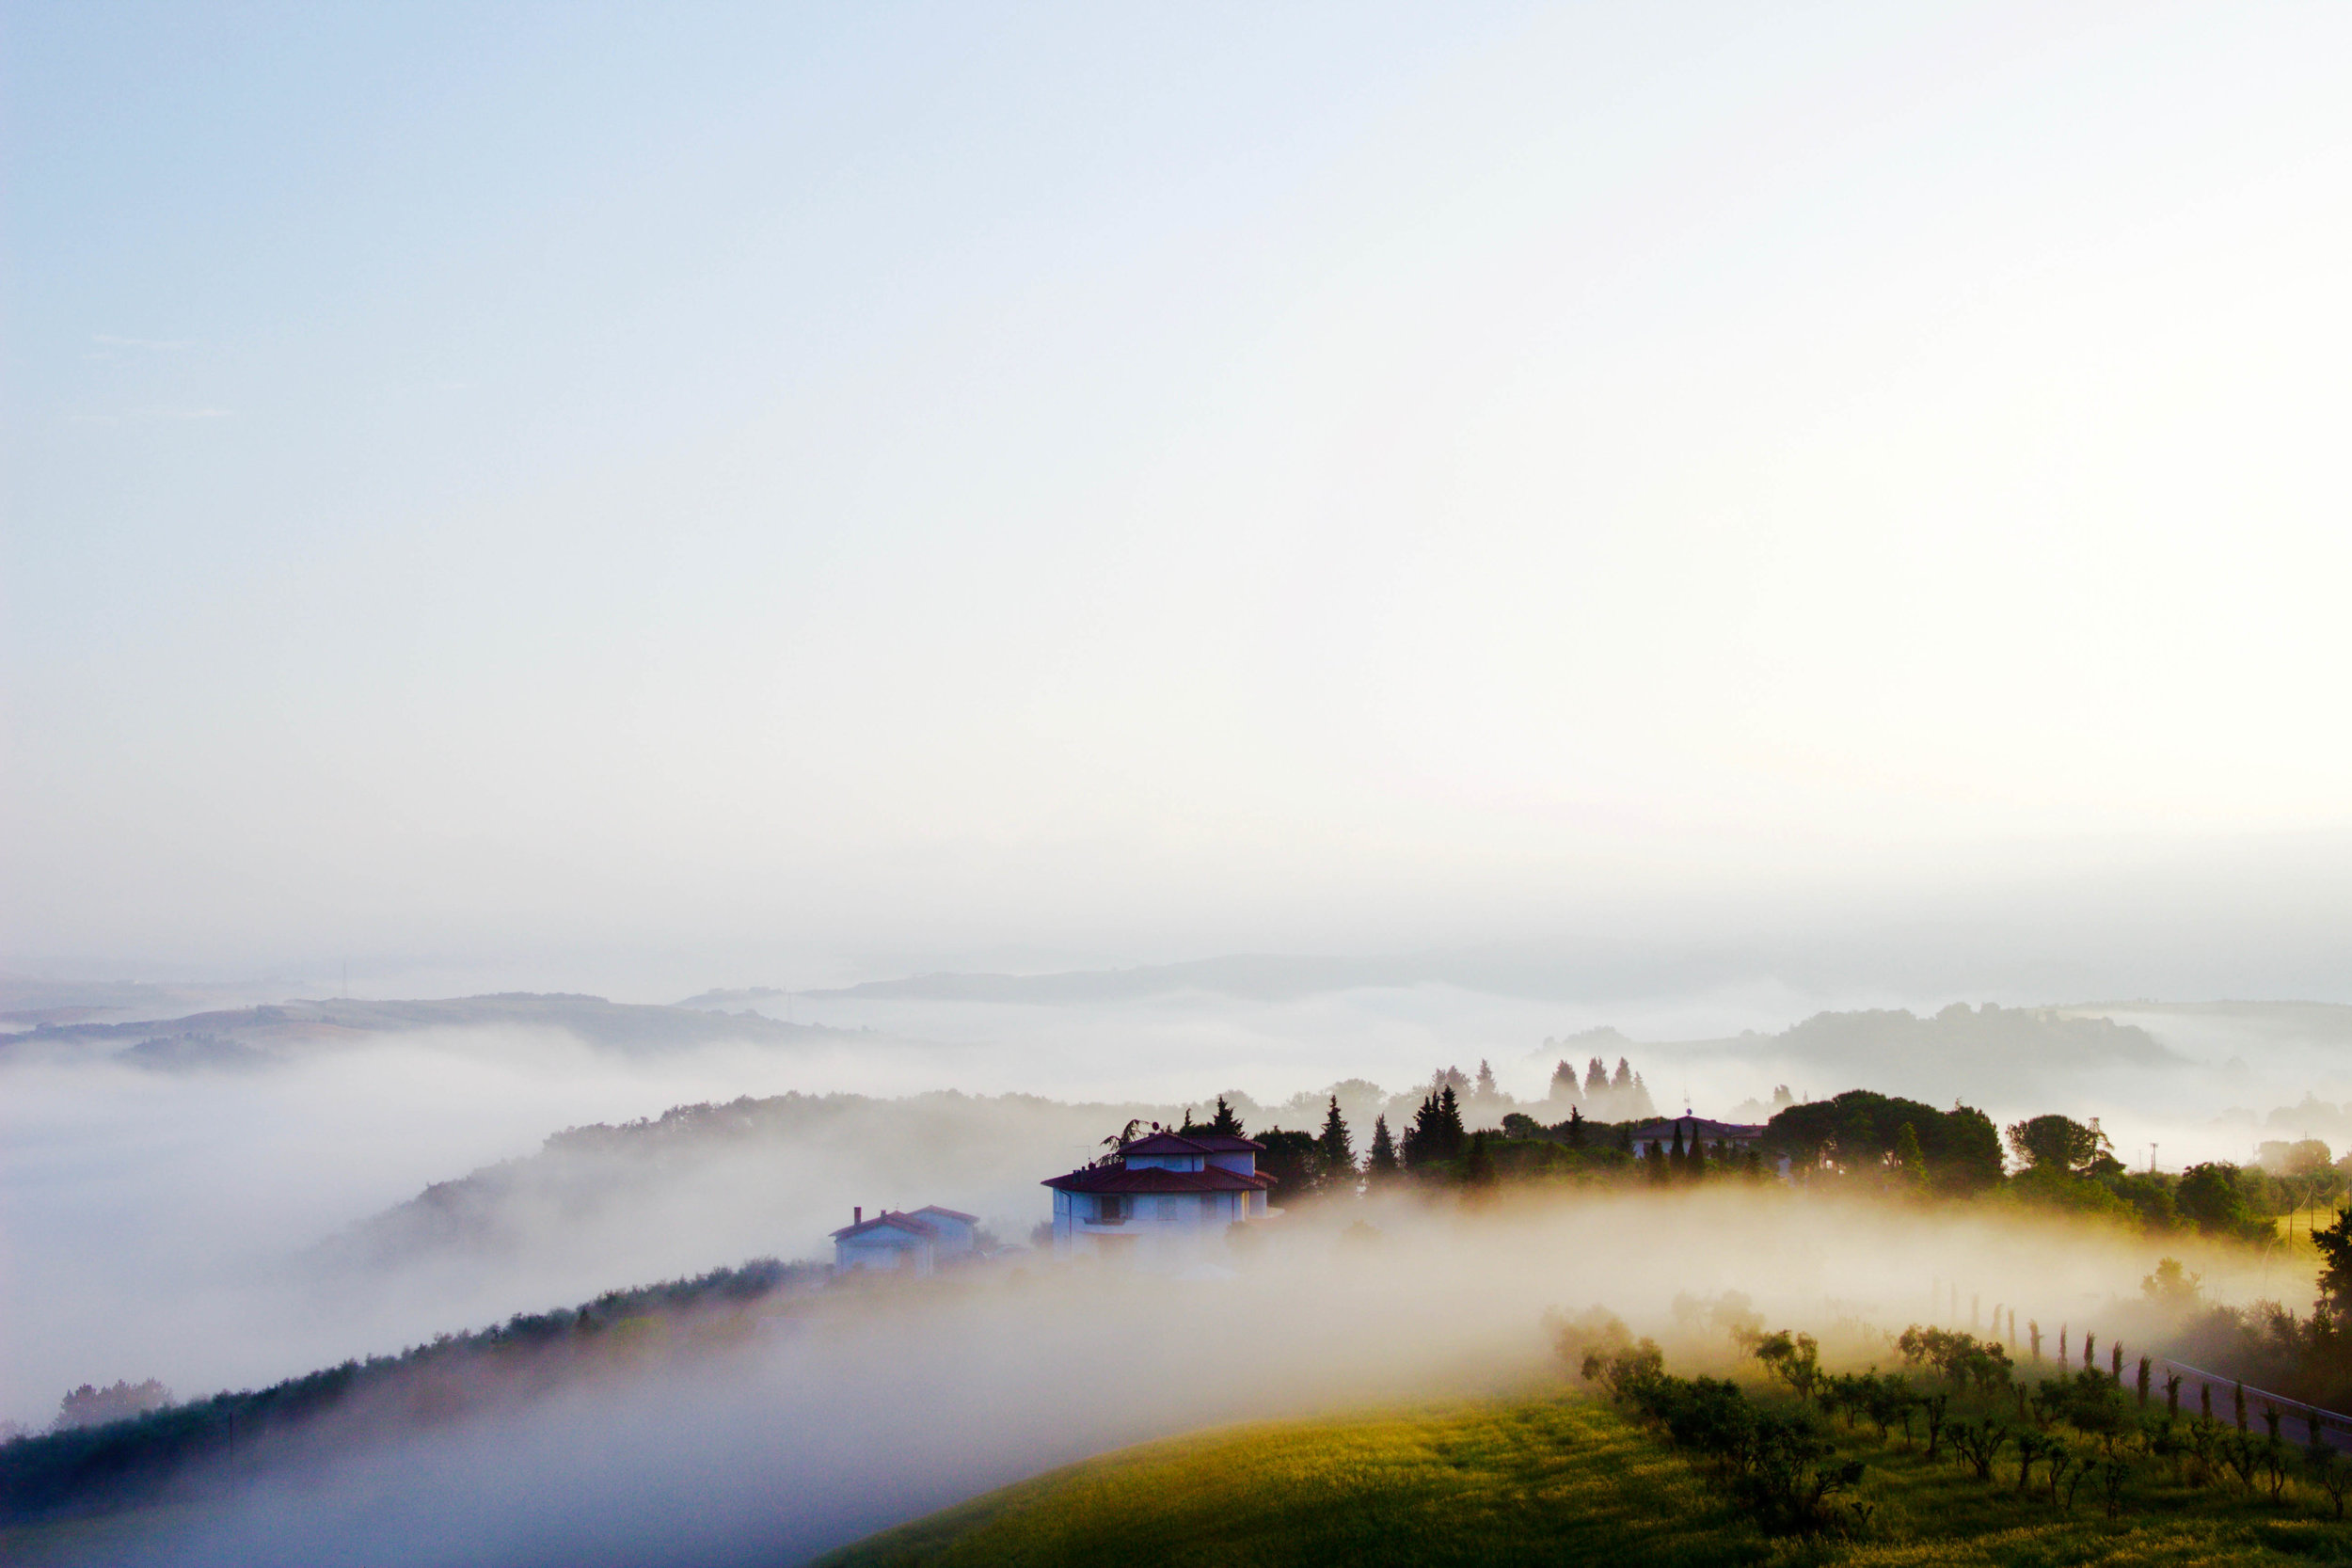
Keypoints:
pixel 915 1242
pixel 1161 1195
pixel 1734 1136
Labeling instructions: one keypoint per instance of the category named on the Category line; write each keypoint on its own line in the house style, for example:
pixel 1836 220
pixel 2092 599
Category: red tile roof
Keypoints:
pixel 1193 1143
pixel 1106 1179
pixel 907 1223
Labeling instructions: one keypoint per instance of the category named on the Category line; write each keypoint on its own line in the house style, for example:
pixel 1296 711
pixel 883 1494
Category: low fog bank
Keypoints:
pixel 240 1226
pixel 896 1400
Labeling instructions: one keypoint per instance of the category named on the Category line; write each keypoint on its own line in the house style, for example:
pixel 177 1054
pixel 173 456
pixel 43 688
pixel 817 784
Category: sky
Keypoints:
pixel 796 493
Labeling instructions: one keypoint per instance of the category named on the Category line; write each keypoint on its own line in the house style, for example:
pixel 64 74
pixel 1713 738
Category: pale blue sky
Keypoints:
pixel 495 481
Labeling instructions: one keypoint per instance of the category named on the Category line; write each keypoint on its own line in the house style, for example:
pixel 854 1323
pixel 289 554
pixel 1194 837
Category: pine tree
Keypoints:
pixel 1421 1138
pixel 1448 1125
pixel 1576 1128
pixel 1336 1151
pixel 1595 1077
pixel 1486 1079
pixel 1563 1083
pixel 1381 1167
pixel 1225 1121
pixel 1624 1079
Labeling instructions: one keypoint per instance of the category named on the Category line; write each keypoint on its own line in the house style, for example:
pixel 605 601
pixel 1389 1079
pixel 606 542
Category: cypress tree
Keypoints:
pixel 1659 1172
pixel 1697 1170
pixel 1679 1158
pixel 1382 1167
pixel 1336 1150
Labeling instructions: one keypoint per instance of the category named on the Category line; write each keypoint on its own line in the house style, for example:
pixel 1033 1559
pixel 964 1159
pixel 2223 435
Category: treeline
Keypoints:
pixel 1858 1142
pixel 182 1448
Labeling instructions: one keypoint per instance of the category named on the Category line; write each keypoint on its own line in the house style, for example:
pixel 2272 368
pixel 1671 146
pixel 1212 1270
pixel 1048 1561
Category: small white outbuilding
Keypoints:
pixel 915 1242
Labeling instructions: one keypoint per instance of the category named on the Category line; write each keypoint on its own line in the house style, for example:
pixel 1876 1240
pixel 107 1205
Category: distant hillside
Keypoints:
pixel 241 1036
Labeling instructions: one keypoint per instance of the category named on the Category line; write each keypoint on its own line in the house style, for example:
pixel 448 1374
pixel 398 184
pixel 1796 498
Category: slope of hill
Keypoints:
pixel 1547 1481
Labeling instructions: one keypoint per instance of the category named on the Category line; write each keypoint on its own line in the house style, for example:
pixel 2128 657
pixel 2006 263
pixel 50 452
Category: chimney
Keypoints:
pixel 857 1215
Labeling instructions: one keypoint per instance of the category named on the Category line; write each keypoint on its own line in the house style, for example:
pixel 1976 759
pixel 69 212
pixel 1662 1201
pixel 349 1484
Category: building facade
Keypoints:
pixel 916 1243
pixel 1161 1197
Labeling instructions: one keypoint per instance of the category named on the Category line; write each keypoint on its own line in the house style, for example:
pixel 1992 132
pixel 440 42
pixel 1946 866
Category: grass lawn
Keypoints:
pixel 1552 1480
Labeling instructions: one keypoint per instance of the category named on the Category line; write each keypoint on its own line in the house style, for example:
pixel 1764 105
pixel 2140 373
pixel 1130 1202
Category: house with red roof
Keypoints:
pixel 916 1243
pixel 1158 1195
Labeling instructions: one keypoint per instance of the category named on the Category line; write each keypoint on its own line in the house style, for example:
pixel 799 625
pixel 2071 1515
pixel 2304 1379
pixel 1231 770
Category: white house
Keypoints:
pixel 918 1243
pixel 1165 1194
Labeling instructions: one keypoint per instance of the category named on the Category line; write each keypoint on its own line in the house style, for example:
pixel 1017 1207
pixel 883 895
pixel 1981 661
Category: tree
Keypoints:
pixel 1910 1161
pixel 89 1406
pixel 1485 1089
pixel 1381 1166
pixel 2210 1198
pixel 2335 1268
pixel 1478 1166
pixel 1697 1169
pixel 1859 1129
pixel 1291 1159
pixel 1436 1131
pixel 1563 1083
pixel 2058 1143
pixel 1115 1146
pixel 1336 1150
pixel 1449 1125
pixel 1225 1121
pixel 1576 1128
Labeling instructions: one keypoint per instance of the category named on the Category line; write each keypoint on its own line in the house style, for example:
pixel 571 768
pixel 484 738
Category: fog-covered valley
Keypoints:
pixel 332 1179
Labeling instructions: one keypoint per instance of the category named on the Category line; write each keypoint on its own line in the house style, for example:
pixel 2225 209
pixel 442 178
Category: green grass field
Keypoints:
pixel 1549 1481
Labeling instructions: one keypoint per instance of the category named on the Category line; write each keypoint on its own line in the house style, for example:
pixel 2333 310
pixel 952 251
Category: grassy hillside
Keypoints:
pixel 1545 1482
pixel 1550 1481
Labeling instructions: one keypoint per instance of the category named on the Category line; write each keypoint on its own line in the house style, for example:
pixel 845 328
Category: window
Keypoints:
pixel 1110 1211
